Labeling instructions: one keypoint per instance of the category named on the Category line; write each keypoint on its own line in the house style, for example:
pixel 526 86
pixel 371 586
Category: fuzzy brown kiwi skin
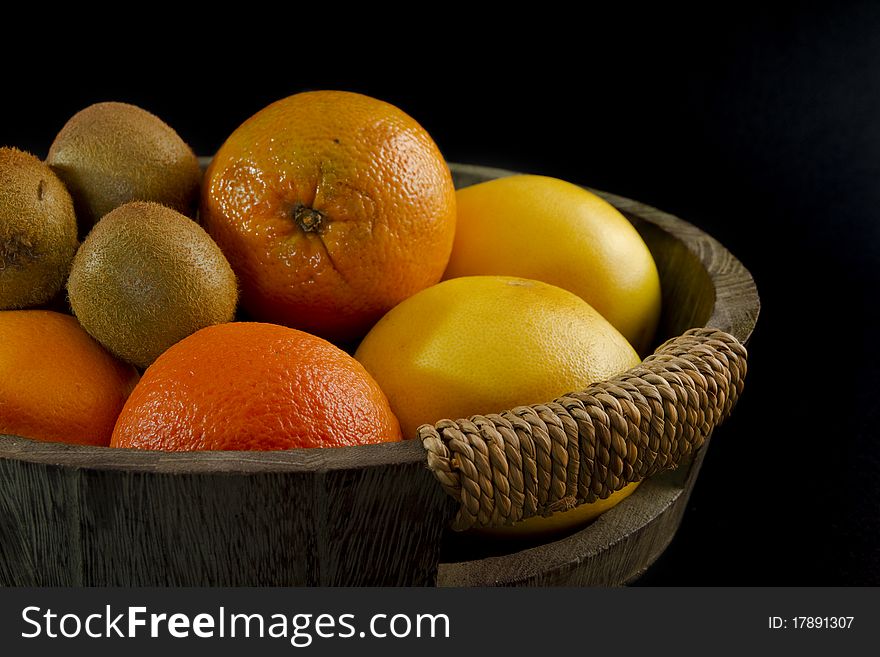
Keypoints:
pixel 109 154
pixel 145 278
pixel 38 231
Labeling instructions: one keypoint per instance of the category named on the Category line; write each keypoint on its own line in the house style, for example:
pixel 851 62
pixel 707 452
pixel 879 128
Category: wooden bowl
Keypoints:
pixel 373 515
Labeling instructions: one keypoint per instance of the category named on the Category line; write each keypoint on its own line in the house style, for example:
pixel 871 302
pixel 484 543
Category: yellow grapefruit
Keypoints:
pixel 485 344
pixel 553 231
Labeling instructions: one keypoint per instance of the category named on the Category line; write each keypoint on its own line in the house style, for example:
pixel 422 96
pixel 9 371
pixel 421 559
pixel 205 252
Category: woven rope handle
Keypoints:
pixel 534 460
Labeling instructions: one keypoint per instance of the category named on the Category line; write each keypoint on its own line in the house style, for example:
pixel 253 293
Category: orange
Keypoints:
pixel 486 344
pixel 332 207
pixel 57 383
pixel 553 231
pixel 253 386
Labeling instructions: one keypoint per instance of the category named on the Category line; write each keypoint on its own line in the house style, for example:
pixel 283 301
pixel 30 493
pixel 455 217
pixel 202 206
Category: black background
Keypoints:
pixel 760 126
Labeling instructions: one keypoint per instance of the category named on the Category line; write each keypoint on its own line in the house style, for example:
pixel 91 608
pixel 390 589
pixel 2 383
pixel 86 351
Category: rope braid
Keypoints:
pixel 535 460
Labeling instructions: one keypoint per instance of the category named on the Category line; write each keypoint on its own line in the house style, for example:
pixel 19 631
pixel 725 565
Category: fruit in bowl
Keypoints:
pixel 374 514
pixel 486 344
pixel 145 278
pixel 252 386
pixel 332 215
pixel 109 154
pixel 332 207
pixel 57 384
pixel 554 231
pixel 37 231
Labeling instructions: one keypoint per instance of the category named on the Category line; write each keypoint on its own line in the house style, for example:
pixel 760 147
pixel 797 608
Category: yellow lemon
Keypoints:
pixel 553 231
pixel 485 344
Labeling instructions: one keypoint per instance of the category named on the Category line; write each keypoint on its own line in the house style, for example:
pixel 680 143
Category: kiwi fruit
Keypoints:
pixel 38 233
pixel 111 153
pixel 145 278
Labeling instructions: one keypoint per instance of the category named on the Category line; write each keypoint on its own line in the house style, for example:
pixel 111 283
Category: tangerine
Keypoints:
pixel 57 384
pixel 254 386
pixel 332 207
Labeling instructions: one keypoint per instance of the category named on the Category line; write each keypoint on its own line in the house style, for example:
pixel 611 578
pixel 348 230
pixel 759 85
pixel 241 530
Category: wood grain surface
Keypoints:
pixel 86 516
